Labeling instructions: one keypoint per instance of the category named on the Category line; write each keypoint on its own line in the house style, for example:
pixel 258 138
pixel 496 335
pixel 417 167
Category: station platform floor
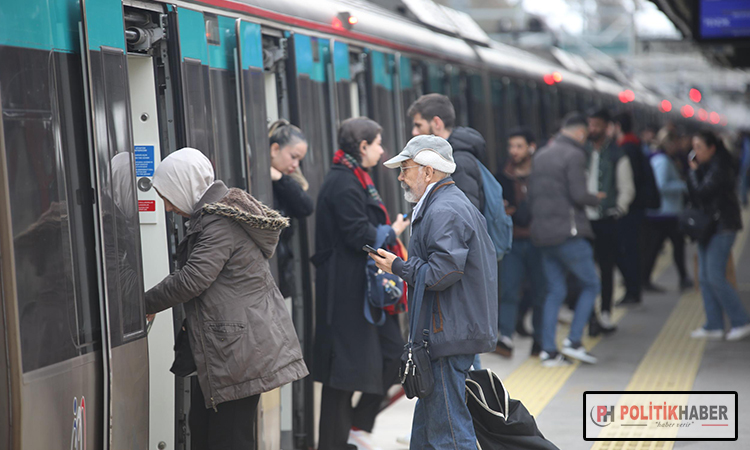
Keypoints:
pixel 651 351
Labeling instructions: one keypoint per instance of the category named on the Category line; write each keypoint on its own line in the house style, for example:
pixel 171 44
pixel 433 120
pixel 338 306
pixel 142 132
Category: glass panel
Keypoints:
pixel 197 105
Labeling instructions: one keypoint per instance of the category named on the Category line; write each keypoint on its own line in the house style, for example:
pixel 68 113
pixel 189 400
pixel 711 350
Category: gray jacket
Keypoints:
pixel 558 193
pixel 450 235
pixel 240 331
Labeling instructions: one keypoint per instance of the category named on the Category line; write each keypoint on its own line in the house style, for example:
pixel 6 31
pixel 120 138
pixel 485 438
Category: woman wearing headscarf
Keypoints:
pixel 351 354
pixel 712 186
pixel 241 336
pixel 288 148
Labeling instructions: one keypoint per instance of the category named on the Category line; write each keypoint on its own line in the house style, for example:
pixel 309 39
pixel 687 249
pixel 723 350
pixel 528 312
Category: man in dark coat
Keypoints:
pixel 629 227
pixel 434 114
pixel 449 241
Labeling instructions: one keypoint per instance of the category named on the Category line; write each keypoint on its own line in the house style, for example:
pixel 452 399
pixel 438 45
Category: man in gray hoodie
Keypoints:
pixel 558 195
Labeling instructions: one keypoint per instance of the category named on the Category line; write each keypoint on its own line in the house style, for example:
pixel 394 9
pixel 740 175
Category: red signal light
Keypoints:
pixel 626 96
pixel 687 111
pixel 549 79
pixel 344 21
pixel 665 106
pixel 695 95
pixel 557 77
pixel 337 23
pixel 714 117
pixel 702 115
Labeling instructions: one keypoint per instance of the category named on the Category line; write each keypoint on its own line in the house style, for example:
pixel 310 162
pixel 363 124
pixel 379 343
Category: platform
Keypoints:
pixel 651 351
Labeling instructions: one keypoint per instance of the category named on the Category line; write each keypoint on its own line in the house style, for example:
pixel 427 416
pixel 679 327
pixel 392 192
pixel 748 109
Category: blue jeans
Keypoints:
pixel 577 257
pixel 718 293
pixel 524 262
pixel 442 420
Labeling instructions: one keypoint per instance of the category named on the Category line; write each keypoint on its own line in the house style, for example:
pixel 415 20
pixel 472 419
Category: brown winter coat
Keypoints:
pixel 241 334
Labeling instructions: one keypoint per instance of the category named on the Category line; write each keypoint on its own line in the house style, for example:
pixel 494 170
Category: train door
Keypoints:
pixel 125 348
pixel 308 75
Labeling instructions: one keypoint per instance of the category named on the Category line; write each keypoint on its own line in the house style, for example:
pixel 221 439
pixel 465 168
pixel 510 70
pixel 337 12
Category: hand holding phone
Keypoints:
pixel 369 249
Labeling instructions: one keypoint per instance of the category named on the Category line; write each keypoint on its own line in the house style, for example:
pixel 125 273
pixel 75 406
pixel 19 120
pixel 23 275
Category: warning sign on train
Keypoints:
pixel 144 160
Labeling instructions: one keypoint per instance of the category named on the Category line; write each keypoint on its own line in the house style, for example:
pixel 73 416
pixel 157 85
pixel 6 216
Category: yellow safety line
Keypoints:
pixel 671 364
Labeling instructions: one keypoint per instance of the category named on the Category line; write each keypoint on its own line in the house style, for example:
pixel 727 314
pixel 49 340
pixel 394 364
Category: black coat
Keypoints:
pixel 350 353
pixel 291 201
pixel 713 188
pixel 647 194
pixel 468 147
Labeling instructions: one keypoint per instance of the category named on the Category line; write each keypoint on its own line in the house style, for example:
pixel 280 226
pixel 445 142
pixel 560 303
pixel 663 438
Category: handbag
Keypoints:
pixel 384 292
pixel 697 224
pixel 184 363
pixel 500 423
pixel 416 365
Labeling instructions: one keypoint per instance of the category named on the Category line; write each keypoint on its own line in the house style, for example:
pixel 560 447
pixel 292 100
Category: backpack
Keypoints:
pixel 499 224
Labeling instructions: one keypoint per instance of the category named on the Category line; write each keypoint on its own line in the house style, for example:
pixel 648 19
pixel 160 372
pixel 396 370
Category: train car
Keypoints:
pixel 94 93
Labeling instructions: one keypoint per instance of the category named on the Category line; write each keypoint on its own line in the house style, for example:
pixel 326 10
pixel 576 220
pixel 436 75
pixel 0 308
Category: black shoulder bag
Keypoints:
pixel 416 366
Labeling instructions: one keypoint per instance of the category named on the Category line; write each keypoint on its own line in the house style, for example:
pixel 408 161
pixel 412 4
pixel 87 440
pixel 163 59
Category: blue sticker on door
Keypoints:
pixel 144 161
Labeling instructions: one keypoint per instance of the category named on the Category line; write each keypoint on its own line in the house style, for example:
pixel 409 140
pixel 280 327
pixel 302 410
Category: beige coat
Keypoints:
pixel 241 333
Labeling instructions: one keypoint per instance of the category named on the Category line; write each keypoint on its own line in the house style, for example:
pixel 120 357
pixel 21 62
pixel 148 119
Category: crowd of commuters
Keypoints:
pixel 594 195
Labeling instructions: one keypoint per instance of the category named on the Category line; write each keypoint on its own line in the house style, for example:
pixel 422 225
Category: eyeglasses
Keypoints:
pixel 404 169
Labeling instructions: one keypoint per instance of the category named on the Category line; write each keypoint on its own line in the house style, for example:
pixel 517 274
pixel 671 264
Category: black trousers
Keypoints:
pixel 605 253
pixel 657 231
pixel 630 246
pixel 230 427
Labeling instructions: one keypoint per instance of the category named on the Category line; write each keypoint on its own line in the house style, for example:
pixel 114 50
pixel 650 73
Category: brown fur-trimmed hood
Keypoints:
pixel 261 223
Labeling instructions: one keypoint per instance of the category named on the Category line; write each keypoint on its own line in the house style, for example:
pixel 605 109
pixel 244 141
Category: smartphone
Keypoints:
pixel 369 249
pixel 691 155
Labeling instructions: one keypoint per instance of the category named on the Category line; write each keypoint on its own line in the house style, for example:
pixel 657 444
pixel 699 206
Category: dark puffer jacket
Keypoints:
pixel 468 147
pixel 241 334
pixel 713 189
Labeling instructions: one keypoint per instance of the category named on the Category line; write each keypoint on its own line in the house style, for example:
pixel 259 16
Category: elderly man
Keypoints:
pixel 449 235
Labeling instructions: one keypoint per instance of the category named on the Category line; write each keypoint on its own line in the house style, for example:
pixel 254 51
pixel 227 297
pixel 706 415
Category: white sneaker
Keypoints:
pixel 565 315
pixel 737 333
pixel 605 320
pixel 362 439
pixel 577 352
pixel 553 360
pixel 404 440
pixel 708 334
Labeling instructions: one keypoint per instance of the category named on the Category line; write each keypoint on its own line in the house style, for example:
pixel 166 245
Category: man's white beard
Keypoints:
pixel 409 194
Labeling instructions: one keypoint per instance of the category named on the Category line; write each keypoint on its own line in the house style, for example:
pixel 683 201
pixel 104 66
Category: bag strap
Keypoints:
pixel 419 288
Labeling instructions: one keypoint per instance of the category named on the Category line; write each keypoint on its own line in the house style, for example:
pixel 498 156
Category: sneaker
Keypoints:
pixel 362 439
pixel 708 334
pixel 404 440
pixel 737 333
pixel 553 359
pixel 606 321
pixel 629 300
pixel 536 349
pixel 650 287
pixel 565 315
pixel 504 346
pixel 576 350
pixel 686 283
pixel 597 326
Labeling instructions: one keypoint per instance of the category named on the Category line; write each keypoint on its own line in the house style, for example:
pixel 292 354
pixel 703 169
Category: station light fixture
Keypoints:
pixel 695 95
pixel 714 117
pixel 702 115
pixel 665 106
pixel 687 111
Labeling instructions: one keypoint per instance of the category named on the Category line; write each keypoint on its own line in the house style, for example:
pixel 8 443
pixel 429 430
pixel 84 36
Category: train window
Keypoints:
pixel 197 103
pixel 43 210
pixel 500 115
pixel 213 35
pixel 120 217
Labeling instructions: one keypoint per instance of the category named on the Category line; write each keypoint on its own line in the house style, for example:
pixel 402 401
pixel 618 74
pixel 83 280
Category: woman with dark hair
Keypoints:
pixel 288 148
pixel 352 354
pixel 712 186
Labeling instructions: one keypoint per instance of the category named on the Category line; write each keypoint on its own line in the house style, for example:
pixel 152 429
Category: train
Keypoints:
pixel 94 93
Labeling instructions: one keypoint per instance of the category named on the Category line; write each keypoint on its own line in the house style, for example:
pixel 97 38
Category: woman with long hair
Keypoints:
pixel 351 353
pixel 288 149
pixel 712 185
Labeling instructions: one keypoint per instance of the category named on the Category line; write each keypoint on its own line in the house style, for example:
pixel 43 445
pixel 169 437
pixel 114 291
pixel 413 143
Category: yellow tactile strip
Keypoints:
pixel 672 362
